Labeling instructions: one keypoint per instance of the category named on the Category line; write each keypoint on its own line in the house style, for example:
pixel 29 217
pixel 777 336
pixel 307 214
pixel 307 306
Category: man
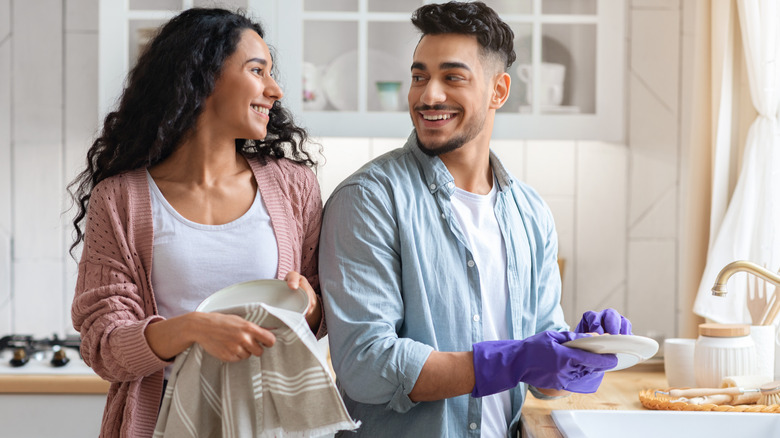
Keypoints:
pixel 438 269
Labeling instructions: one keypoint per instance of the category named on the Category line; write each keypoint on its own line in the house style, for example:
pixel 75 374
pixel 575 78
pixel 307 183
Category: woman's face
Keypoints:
pixel 244 92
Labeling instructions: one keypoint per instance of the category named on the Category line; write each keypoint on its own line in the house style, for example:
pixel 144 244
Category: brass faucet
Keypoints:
pixel 719 289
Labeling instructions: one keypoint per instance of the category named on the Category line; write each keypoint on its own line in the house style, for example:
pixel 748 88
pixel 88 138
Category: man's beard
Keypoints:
pixel 471 131
pixel 449 146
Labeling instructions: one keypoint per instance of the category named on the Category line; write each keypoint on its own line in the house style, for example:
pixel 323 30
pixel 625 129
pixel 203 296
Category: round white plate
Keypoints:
pixel 341 76
pixel 272 292
pixel 629 349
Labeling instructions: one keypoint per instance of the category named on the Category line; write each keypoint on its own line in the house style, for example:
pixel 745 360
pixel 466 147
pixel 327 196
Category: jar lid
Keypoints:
pixel 724 330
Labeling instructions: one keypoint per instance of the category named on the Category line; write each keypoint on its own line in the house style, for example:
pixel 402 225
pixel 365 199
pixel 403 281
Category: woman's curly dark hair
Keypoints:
pixel 474 18
pixel 163 97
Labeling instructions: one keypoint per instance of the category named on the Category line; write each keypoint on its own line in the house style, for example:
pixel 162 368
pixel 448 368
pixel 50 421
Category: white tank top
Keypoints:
pixel 191 261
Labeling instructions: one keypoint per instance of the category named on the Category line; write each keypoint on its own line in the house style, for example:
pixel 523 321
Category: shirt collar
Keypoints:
pixel 437 176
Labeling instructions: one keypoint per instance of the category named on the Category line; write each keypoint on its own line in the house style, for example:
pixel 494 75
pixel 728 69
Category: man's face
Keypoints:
pixel 450 93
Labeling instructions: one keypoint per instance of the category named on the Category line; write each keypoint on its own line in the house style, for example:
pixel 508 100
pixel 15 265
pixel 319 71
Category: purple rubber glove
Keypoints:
pixel 539 360
pixel 606 321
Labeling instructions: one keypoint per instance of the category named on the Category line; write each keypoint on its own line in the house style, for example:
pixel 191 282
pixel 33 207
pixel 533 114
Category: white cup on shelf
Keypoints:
pixel 551 83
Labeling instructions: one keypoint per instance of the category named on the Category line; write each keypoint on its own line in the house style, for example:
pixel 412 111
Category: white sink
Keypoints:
pixel 666 424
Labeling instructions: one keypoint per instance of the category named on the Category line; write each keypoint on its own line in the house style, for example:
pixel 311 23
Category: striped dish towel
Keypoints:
pixel 286 392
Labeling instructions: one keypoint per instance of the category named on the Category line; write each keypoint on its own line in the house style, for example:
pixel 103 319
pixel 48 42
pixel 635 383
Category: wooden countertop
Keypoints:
pixel 52 384
pixel 618 391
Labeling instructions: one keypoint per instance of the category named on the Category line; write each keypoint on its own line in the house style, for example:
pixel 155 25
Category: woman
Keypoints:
pixel 179 203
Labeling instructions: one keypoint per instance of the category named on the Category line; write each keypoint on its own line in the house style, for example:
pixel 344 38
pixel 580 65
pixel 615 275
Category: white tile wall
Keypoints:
pixel 5 135
pixel 651 280
pixel 651 178
pixel 512 156
pixel 37 192
pixel 380 146
pixel 655 51
pixel 5 283
pixel 656 4
pixel 600 245
pixel 660 220
pixel 5 166
pixel 37 71
pixel 5 19
pixel 81 114
pixel 34 279
pixel 652 124
pixel 563 210
pixel 81 15
pixel 654 138
pixel 614 205
pixel 551 167
pixel 343 156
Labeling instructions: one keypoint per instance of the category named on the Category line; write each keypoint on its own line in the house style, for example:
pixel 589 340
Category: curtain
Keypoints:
pixel 745 225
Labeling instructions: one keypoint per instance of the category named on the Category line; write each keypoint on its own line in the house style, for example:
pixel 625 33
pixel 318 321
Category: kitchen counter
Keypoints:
pixel 52 384
pixel 618 390
pixel 59 396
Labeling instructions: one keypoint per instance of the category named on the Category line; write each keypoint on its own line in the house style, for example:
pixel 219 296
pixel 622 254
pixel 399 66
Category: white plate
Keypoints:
pixel 341 77
pixel 629 349
pixel 272 292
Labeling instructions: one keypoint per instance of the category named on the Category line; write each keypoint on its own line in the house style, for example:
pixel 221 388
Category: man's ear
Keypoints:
pixel 501 84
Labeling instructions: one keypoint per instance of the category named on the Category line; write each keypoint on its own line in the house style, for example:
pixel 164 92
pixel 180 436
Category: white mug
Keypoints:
pixel 678 362
pixel 551 89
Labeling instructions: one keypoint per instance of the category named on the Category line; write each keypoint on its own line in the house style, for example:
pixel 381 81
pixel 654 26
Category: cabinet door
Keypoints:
pixel 353 59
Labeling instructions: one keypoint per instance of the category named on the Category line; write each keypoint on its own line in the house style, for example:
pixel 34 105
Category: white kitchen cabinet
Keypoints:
pixel 333 54
pixel 342 48
pixel 51 415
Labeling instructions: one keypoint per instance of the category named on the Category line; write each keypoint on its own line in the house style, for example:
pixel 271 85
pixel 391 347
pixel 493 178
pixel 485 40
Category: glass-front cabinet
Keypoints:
pixel 344 65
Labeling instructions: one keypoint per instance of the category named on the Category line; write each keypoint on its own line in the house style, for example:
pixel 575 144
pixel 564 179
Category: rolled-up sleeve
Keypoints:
pixel 360 277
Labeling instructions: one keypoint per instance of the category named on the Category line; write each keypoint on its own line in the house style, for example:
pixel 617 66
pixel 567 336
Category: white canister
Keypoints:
pixel 723 350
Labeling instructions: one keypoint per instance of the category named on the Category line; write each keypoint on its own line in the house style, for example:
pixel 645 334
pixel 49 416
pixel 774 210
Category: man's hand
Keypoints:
pixel 539 360
pixel 607 321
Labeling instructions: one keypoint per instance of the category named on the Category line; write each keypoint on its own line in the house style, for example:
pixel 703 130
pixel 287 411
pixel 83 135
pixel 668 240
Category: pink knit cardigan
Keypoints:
pixel 114 301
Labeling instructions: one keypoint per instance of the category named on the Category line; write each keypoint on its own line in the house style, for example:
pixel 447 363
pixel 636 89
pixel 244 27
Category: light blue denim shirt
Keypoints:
pixel 398 281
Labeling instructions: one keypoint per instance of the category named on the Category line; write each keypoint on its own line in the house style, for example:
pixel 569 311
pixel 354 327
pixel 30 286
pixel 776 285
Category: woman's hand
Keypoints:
pixel 314 311
pixel 229 338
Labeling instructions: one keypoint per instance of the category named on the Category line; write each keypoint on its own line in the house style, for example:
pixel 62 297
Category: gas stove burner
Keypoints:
pixel 59 359
pixel 20 358
pixel 25 347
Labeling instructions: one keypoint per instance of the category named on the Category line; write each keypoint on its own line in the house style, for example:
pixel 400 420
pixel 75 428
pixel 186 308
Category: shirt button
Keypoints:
pixel 470 263
pixel 473 426
pixel 450 184
pixel 443 216
pixel 476 318
pixel 432 186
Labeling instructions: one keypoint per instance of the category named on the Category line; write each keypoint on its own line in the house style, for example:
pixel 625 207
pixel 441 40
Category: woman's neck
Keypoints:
pixel 201 159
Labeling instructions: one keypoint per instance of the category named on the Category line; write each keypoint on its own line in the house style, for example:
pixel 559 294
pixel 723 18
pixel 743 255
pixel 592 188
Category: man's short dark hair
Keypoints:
pixel 494 36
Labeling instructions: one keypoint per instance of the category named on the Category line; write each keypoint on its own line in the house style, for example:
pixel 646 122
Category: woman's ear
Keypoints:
pixel 501 85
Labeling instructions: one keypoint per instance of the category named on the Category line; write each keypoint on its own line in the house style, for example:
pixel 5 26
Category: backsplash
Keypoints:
pixel 615 205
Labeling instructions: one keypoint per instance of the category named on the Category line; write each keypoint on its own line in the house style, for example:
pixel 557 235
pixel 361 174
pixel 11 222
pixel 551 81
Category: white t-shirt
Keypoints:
pixel 192 261
pixel 476 217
